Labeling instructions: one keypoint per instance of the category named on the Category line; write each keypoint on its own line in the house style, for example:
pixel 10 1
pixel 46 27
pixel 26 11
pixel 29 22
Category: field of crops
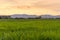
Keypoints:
pixel 29 29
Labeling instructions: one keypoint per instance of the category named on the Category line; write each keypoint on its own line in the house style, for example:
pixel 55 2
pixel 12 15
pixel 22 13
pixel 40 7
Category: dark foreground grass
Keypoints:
pixel 29 29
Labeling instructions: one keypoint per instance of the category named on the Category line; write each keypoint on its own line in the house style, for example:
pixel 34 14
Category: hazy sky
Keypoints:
pixel 37 7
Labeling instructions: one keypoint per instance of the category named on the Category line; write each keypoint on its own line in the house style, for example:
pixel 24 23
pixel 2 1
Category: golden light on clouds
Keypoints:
pixel 32 7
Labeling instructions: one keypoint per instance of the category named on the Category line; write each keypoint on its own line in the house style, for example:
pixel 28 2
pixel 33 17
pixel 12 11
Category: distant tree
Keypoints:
pixel 0 17
pixel 39 17
pixel 16 18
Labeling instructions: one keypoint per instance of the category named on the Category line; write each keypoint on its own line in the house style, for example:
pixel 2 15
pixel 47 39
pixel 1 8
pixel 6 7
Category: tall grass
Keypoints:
pixel 29 29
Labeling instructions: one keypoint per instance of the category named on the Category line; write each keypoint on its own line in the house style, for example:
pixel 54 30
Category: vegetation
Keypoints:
pixel 29 29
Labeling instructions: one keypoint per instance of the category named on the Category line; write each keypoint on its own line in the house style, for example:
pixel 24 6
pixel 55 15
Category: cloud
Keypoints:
pixel 51 5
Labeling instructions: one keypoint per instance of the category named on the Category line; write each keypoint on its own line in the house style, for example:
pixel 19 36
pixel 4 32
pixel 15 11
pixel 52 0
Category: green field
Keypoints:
pixel 29 29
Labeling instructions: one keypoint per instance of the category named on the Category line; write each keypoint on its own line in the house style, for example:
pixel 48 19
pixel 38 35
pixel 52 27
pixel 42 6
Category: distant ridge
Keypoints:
pixel 23 16
pixel 30 16
pixel 50 16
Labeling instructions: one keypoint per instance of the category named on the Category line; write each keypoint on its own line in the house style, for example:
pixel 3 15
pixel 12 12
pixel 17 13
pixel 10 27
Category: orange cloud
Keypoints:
pixel 37 7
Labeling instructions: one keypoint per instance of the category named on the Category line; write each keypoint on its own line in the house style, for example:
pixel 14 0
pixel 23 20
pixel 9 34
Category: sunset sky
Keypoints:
pixel 31 7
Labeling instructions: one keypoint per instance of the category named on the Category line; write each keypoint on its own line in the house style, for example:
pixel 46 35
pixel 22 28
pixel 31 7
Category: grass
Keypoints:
pixel 29 29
